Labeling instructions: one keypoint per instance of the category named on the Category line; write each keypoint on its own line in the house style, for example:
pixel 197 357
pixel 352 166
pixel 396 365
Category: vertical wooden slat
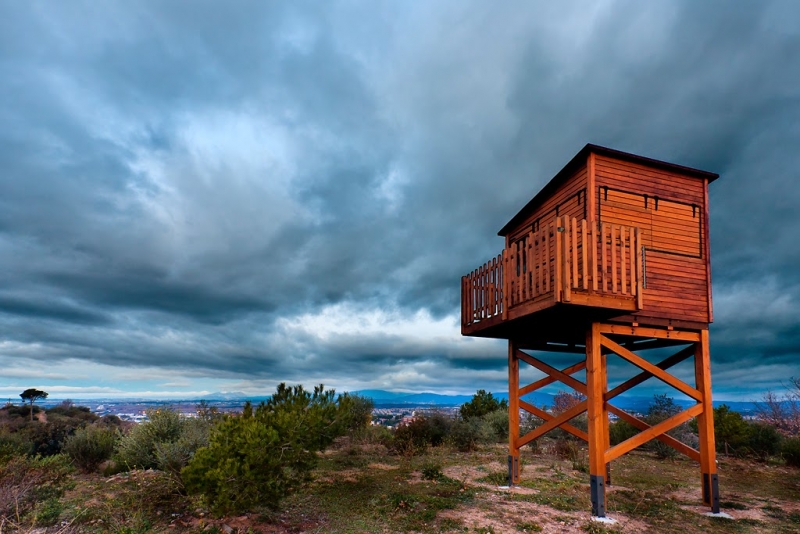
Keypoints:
pixel 505 284
pixel 546 257
pixel 530 276
pixel 574 234
pixel 632 259
pixel 603 269
pixel 585 276
pixel 593 249
pixel 613 258
pixel 482 291
pixel 492 286
pixel 503 271
pixel 639 270
pixel 567 285
pixel 623 264
pixel 557 286
pixel 537 262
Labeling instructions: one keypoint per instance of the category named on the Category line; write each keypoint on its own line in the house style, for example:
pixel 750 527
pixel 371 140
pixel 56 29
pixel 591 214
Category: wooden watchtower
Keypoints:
pixel 610 258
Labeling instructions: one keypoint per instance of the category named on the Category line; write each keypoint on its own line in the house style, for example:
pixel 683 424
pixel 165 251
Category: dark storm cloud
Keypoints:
pixel 177 181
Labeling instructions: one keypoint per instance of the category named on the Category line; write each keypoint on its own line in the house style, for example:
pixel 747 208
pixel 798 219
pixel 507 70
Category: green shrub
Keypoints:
pixel 137 449
pixel 26 481
pixel 731 431
pixel 763 440
pixel 790 450
pixel 172 456
pixel 258 458
pixel 356 413
pixel 47 512
pixel 90 446
pixel 498 422
pixel 439 425
pixel 412 438
pixel 620 430
pixel 466 435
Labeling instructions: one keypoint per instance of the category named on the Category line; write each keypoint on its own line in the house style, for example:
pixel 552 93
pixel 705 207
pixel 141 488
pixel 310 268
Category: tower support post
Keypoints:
pixel 597 419
pixel 513 414
pixel 705 424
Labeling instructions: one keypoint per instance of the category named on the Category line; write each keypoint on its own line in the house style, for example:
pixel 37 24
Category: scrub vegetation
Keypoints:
pixel 309 461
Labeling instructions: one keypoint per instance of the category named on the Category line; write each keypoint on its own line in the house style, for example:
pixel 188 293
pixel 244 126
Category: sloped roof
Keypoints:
pixel 580 159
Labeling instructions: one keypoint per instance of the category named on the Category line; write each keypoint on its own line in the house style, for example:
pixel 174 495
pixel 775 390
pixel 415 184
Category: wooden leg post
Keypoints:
pixel 597 439
pixel 705 424
pixel 513 414
pixel 607 439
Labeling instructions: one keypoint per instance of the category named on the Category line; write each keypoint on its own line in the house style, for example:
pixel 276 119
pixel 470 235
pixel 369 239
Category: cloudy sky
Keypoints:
pixel 200 197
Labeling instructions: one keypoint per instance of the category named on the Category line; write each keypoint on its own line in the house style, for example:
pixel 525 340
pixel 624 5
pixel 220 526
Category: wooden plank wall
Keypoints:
pixel 675 260
pixel 565 198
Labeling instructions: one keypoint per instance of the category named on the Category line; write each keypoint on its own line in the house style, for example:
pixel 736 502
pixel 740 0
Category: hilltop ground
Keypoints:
pixel 360 488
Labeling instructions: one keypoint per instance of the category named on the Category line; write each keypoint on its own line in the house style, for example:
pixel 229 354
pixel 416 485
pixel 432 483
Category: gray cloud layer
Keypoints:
pixel 189 186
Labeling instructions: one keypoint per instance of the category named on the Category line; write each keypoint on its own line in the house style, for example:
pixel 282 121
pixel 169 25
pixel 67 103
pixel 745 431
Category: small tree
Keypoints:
pixel 481 404
pixel 31 395
pixel 259 457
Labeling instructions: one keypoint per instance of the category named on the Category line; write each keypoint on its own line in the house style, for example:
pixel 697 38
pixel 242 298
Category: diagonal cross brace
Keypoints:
pixel 553 423
pixel 530 408
pixel 679 446
pixel 643 364
pixel 644 375
pixel 656 430
pixel 546 381
pixel 577 385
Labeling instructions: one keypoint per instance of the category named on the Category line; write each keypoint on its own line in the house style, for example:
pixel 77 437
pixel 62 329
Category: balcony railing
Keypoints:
pixel 567 260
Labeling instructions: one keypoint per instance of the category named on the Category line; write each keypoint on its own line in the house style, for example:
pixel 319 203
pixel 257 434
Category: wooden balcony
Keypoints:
pixel 565 262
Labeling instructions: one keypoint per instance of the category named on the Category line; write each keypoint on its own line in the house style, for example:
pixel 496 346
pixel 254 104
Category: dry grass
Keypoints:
pixel 360 490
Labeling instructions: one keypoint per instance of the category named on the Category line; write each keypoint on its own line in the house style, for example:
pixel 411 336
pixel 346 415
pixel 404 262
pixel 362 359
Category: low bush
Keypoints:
pixel 790 451
pixel 412 438
pixel 439 425
pixel 498 422
pixel 467 434
pixel 90 446
pixel 166 441
pixel 620 430
pixel 29 481
pixel 763 440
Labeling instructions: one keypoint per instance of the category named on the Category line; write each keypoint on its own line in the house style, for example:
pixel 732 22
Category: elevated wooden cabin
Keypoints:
pixel 611 257
pixel 614 237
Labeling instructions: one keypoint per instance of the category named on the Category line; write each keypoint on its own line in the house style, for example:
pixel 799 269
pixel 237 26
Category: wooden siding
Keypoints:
pixel 673 233
pixel 568 200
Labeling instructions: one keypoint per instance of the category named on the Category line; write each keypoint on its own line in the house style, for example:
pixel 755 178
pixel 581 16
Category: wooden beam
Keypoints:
pixel 594 382
pixel 644 375
pixel 552 347
pixel 641 331
pixel 530 408
pixel 652 369
pixel 679 446
pixel 655 430
pixel 546 381
pixel 705 421
pixel 555 422
pixel 513 399
pixel 552 371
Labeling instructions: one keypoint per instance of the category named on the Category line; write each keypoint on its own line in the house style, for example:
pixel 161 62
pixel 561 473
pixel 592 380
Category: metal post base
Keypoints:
pixel 598 489
pixel 711 491
pixel 513 470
